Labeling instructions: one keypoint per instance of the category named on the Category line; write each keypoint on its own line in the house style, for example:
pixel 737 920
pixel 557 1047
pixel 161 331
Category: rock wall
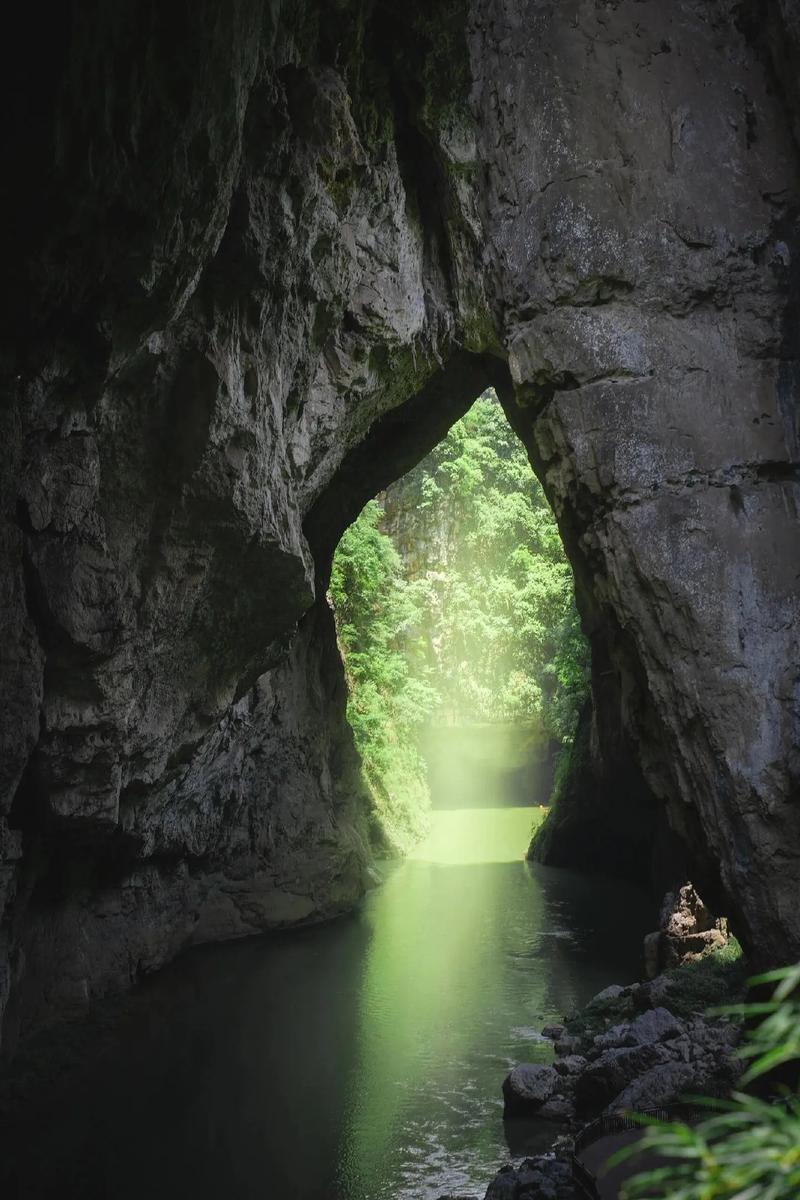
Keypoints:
pixel 658 392
pixel 261 256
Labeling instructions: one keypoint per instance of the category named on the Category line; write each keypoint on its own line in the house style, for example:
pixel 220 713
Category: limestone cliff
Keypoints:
pixel 261 256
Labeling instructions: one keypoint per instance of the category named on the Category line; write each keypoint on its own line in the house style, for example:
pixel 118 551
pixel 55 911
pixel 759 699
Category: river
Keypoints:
pixel 359 1060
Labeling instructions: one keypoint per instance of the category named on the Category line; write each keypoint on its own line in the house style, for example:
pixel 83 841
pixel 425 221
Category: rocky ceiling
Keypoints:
pixel 261 255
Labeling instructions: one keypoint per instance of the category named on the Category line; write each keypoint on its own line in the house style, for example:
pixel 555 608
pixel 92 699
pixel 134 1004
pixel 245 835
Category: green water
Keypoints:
pixel 361 1060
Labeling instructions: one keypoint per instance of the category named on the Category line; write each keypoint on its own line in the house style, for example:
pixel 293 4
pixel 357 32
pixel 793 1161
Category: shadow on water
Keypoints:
pixel 352 1061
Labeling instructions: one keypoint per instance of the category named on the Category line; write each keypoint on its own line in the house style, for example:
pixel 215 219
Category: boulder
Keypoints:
pixel 612 992
pixel 504 1185
pixel 557 1108
pixel 544 1177
pixel 684 913
pixel 656 1088
pixel 654 1025
pixel 570 1065
pixel 613 1071
pixel 553 1032
pixel 688 931
pixel 691 947
pixel 527 1088
pixel 657 992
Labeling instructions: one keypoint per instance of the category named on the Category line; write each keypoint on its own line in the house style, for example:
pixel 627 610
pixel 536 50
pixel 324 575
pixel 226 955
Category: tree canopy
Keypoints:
pixel 455 603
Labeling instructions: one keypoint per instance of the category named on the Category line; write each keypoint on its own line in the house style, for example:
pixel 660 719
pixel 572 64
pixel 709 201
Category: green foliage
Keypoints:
pixel 574 731
pixel 749 1147
pixel 721 975
pixel 474 622
pixel 504 635
pixel 376 608
pixel 776 1040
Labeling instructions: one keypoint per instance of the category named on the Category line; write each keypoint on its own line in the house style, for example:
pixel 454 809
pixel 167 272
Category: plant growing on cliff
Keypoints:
pixel 502 632
pixel 454 601
pixel 377 610
pixel 749 1147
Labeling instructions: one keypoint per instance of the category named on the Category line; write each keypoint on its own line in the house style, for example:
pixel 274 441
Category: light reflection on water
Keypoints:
pixel 354 1061
pixel 471 950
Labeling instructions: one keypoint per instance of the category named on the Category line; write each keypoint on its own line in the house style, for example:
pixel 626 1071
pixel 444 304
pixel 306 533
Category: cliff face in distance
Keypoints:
pixel 261 257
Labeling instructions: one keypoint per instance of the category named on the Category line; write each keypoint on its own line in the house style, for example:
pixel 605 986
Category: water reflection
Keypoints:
pixel 352 1061
pixel 471 950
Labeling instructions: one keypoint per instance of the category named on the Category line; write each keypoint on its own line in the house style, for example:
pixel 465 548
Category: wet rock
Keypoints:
pixel 570 1064
pixel 504 1186
pixel 655 1025
pixel 658 992
pixel 557 1108
pixel 527 1087
pixel 612 992
pixel 620 1055
pixel 553 1032
pixel 656 1088
pixel 544 1177
pixel 612 1071
pixel 234 323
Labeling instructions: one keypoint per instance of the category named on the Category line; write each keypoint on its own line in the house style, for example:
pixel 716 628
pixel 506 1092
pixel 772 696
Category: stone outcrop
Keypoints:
pixel 544 1177
pixel 528 1087
pixel 688 932
pixel 262 257
pixel 625 1052
pixel 619 1055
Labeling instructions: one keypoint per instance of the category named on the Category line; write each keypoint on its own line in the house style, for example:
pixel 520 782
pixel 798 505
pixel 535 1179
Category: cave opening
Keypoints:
pixel 466 666
pixel 262 261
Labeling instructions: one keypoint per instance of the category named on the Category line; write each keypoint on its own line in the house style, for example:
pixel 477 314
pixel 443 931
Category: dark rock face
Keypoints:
pixel 261 262
pixel 648 1059
pixel 527 1088
pixel 542 1178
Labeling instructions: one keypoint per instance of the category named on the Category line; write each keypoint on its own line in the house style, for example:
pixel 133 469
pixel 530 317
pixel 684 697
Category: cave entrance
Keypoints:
pixel 465 661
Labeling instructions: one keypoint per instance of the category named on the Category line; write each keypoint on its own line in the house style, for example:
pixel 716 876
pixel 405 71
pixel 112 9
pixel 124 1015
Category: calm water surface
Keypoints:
pixel 358 1060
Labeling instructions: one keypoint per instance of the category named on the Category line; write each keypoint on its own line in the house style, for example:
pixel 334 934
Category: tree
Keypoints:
pixel 454 601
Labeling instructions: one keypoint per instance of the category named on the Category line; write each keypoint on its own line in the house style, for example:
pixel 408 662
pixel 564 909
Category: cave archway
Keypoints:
pixel 270 259
pixel 611 822
pixel 665 780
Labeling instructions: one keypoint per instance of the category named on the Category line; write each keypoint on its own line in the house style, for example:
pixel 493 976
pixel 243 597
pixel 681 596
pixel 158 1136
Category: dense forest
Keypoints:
pixel 455 604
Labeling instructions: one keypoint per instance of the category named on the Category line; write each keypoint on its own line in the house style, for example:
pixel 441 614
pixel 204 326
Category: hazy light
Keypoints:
pixel 477 835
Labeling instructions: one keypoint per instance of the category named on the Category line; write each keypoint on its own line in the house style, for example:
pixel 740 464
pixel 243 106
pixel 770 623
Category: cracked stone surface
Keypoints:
pixel 261 261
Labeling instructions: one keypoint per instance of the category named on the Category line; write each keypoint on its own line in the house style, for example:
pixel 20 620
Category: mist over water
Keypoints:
pixel 361 1059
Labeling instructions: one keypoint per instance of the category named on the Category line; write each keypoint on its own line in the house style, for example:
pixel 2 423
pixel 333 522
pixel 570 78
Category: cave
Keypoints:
pixel 261 257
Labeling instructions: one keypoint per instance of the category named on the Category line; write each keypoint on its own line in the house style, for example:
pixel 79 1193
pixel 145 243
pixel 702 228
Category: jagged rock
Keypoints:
pixel 684 913
pixel 542 1178
pixel 504 1186
pixel 619 1056
pixel 611 1073
pixel 554 1032
pixel 264 289
pixel 658 992
pixel 688 932
pixel 527 1087
pixel 655 1025
pixel 612 992
pixel 557 1108
pixel 656 1088
pixel 570 1064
